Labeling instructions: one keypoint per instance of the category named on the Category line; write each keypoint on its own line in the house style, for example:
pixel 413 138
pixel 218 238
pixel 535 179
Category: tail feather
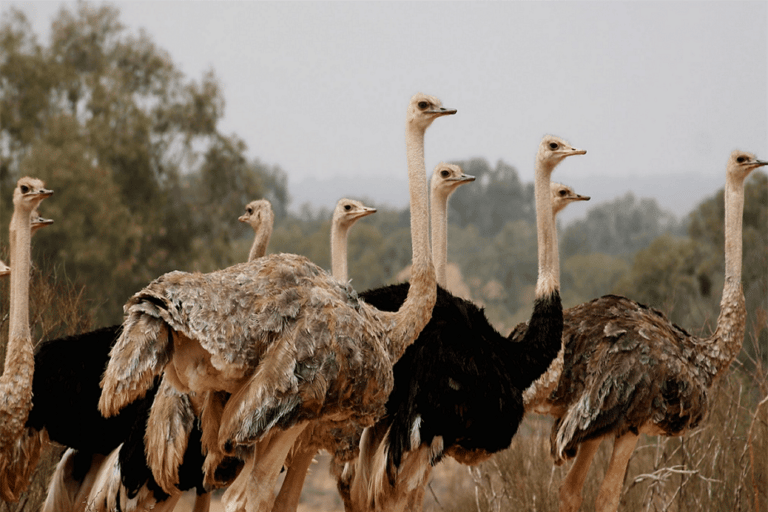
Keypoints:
pixel 138 356
pixel 18 464
pixel 170 422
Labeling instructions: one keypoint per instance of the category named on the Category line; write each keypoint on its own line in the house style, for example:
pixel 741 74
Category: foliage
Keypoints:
pixel 618 228
pixel 132 148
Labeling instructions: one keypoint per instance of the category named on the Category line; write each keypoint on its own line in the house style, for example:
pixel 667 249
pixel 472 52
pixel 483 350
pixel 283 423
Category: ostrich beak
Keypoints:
pixel 580 197
pixel 442 111
pixel 464 178
pixel 366 211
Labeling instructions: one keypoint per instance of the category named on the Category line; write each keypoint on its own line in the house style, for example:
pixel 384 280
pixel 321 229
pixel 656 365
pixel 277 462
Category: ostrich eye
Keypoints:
pixel 444 173
pixel 562 193
pixel 423 105
pixel 24 189
pixel 741 159
pixel 347 207
pixel 553 145
pixel 249 210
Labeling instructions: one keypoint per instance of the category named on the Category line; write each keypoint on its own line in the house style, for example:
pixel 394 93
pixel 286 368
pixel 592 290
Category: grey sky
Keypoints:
pixel 652 90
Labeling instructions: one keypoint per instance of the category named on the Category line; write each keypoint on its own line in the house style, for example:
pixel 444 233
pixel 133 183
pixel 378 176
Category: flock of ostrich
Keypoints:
pixel 225 379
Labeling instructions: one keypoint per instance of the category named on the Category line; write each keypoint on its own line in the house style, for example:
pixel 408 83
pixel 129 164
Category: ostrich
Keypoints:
pixel 5 270
pixel 446 178
pixel 338 440
pixel 101 474
pixel 458 388
pixel 259 215
pixel 16 381
pixel 627 370
pixel 292 344
pixel 346 213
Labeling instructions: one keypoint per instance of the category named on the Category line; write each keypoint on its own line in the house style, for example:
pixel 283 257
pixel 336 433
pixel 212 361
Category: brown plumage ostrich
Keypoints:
pixel 325 435
pixel 259 215
pixel 5 270
pixel 291 343
pixel 628 370
pixel 16 381
pixel 171 413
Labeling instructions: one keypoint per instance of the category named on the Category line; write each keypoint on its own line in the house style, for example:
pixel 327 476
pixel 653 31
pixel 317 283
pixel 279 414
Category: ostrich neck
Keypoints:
pixel 20 240
pixel 16 381
pixel 728 337
pixel 416 311
pixel 260 243
pixel 339 252
pixel 547 282
pixel 439 213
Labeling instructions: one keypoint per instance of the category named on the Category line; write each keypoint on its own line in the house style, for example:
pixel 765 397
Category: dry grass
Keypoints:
pixel 723 466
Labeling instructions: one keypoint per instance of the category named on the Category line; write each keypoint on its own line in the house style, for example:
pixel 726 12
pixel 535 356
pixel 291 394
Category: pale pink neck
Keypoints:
pixel 260 242
pixel 726 341
pixel 20 241
pixel 416 311
pixel 438 205
pixel 339 251
pixel 548 278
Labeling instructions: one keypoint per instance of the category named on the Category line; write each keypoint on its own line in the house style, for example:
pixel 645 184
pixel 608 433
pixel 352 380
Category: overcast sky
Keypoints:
pixel 650 89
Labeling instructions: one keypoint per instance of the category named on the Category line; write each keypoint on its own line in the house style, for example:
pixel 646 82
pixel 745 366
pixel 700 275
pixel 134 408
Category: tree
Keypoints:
pixel 145 182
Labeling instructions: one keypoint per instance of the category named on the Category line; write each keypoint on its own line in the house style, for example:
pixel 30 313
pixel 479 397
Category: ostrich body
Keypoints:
pixel 16 381
pixel 105 467
pixel 338 439
pixel 628 370
pixel 292 344
pixel 458 389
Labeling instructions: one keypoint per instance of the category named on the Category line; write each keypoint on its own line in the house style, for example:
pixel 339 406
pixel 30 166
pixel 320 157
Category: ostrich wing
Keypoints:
pixel 626 366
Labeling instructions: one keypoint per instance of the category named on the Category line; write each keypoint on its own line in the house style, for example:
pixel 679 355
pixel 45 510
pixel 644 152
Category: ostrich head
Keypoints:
pixel 423 109
pixel 257 212
pixel 29 193
pixel 38 222
pixel 5 270
pixel 447 177
pixel 348 211
pixel 553 150
pixel 563 195
pixel 741 163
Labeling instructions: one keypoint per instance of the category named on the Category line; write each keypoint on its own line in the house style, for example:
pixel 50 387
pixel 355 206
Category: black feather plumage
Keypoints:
pixel 461 377
pixel 66 387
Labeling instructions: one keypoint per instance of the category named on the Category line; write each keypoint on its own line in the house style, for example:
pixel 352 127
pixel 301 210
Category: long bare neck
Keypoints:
pixel 260 241
pixel 728 337
pixel 416 311
pixel 549 274
pixel 438 205
pixel 554 249
pixel 19 339
pixel 339 251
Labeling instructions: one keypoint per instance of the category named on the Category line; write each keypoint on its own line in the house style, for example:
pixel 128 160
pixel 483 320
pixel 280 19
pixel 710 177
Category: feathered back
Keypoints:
pixel 610 345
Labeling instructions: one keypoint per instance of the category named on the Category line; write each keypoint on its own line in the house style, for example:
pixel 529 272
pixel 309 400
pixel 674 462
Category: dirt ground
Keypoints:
pixel 319 494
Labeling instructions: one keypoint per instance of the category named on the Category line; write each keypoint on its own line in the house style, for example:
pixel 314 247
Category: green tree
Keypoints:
pixel 145 182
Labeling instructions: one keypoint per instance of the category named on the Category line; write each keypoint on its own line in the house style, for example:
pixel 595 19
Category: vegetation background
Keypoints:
pixel 146 183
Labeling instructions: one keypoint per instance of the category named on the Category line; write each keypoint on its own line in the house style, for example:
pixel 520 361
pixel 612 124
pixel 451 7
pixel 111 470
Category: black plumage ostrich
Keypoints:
pixel 66 393
pixel 458 388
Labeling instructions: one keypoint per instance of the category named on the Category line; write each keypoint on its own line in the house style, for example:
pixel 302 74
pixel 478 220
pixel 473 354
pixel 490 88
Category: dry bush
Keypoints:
pixel 56 309
pixel 722 466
